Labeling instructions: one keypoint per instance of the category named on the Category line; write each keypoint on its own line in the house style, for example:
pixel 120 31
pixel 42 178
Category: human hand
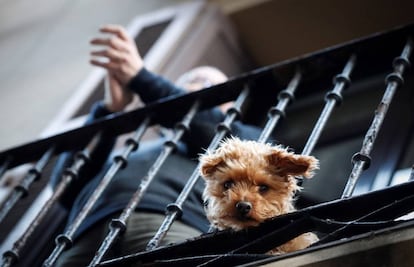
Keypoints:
pixel 116 96
pixel 119 54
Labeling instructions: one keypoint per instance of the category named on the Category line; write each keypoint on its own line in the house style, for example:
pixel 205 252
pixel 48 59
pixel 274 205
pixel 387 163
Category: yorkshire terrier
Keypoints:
pixel 248 182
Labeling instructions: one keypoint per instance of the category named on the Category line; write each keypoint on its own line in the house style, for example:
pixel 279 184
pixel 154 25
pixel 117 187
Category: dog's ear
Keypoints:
pixel 284 163
pixel 209 164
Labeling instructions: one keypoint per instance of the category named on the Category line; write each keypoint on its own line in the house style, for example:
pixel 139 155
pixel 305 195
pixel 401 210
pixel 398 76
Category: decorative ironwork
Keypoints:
pixel 21 190
pixel 275 113
pixel 118 226
pixel 362 159
pixel 12 256
pixel 64 241
pixel 332 98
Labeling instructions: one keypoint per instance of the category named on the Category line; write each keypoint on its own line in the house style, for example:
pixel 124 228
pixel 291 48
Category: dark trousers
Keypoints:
pixel 141 227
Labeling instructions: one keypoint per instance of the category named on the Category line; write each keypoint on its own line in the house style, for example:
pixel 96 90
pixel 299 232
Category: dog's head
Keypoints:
pixel 248 182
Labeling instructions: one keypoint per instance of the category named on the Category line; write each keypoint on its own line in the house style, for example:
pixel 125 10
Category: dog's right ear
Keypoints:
pixel 209 164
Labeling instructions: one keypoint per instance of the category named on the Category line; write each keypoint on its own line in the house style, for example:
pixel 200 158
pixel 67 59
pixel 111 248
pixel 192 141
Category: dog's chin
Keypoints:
pixel 244 219
pixel 238 222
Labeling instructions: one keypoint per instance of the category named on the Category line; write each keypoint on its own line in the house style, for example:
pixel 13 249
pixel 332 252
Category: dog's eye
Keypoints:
pixel 228 184
pixel 263 188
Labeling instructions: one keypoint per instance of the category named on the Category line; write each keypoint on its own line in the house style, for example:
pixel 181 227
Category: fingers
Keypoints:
pixel 115 50
pixel 116 30
pixel 113 42
pixel 110 54
pixel 118 53
pixel 109 65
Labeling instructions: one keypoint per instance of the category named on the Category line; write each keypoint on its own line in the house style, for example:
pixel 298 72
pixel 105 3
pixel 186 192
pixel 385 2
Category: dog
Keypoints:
pixel 247 183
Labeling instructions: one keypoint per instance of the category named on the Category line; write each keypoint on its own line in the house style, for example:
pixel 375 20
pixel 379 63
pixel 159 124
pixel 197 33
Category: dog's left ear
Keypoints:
pixel 284 163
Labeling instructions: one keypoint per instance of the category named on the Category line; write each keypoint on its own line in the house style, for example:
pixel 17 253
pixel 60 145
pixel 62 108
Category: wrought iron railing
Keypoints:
pixel 270 88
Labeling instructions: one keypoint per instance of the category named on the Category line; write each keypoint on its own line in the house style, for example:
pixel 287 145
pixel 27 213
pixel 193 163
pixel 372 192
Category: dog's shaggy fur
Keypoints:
pixel 249 182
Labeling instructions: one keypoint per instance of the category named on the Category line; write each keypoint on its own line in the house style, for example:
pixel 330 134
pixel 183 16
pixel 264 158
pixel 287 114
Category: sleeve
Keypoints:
pixel 151 87
pixel 204 127
pixel 91 169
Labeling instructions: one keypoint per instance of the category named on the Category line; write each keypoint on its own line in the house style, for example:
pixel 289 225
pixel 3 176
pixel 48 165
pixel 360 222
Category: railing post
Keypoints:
pixel 275 113
pixel 362 159
pixel 21 190
pixel 332 98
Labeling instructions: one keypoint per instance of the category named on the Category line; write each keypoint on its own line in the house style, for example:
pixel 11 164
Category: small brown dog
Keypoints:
pixel 249 182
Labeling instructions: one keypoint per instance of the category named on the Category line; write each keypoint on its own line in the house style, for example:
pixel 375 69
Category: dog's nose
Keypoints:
pixel 243 207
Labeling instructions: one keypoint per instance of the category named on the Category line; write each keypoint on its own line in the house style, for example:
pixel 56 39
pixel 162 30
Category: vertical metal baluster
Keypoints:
pixel 12 256
pixel 361 160
pixel 332 98
pixel 118 226
pixel 64 241
pixel 21 190
pixel 174 210
pixel 5 166
pixel 277 112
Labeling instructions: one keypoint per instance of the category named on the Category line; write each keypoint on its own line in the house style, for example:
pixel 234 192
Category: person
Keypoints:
pixel 127 75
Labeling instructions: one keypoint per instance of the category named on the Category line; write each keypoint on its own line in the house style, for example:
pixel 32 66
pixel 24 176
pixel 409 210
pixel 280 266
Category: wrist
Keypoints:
pixel 99 109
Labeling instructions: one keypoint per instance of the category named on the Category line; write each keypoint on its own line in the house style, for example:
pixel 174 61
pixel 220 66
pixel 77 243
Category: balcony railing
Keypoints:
pixel 261 97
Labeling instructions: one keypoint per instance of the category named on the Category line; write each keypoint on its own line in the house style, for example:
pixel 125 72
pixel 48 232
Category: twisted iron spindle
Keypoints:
pixel 118 226
pixel 64 241
pixel 174 210
pixel 277 112
pixel 332 98
pixel 22 190
pixel 12 256
pixel 362 159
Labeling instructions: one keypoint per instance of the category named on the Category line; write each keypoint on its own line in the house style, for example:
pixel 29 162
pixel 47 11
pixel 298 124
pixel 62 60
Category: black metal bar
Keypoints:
pixel 174 209
pixel 12 256
pixel 332 98
pixel 361 160
pixel 333 235
pixel 21 190
pixel 277 112
pixel 64 241
pixel 118 226
pixel 5 166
